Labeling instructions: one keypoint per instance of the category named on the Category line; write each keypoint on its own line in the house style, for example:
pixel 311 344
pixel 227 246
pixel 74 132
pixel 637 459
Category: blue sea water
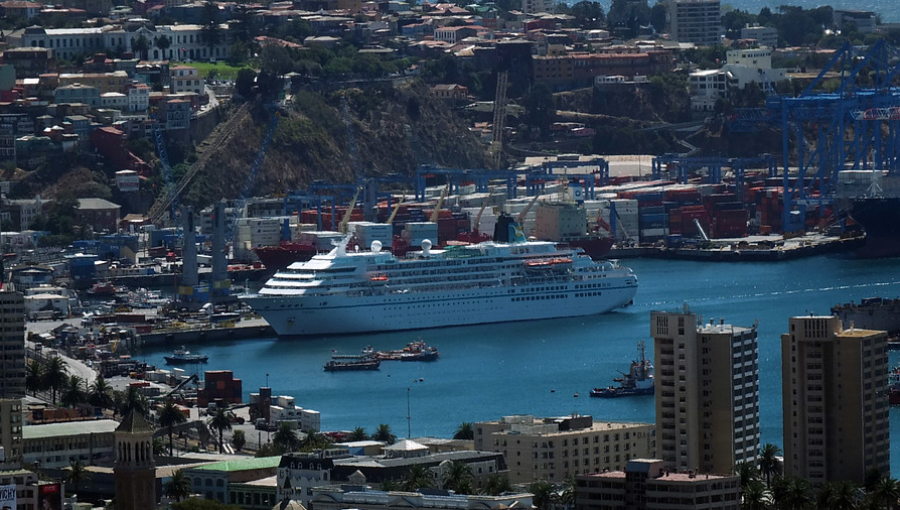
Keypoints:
pixel 536 368
pixel 886 9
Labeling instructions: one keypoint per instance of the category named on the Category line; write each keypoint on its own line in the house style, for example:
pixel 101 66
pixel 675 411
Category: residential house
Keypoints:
pixel 99 214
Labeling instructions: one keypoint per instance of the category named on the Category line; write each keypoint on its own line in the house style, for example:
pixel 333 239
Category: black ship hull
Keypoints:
pixel 880 218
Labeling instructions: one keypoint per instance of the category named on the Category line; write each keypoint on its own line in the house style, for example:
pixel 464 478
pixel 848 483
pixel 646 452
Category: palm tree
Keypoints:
pixel 495 485
pixel 77 473
pixel 459 478
pixel 747 471
pixel 159 447
pixel 839 495
pixel 769 463
pixel 100 394
pixel 286 438
pixel 178 486
pixel 34 377
pixel 221 422
pixel 358 434
pixel 238 439
pixel 163 43
pixel 383 433
pixel 465 431
pixel 791 493
pixel 73 392
pixel 418 477
pixel 169 416
pixel 54 375
pixel 543 494
pixel 141 45
pixel 133 399
pixel 884 493
pixel 755 496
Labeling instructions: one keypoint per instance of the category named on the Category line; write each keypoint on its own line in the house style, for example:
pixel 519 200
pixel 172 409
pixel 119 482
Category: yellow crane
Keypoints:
pixel 437 208
pixel 390 219
pixel 521 216
pixel 343 226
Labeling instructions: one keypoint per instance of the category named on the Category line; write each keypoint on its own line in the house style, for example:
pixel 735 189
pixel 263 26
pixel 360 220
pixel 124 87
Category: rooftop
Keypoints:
pixel 72 428
pixel 248 464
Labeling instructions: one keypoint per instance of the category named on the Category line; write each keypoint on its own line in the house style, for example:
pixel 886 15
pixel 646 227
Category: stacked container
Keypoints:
pixel 416 232
pixel 623 217
pixel 366 232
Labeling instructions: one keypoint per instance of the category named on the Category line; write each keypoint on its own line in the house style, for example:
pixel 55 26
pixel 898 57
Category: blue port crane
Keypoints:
pixel 166 171
pixel 250 180
pixel 831 131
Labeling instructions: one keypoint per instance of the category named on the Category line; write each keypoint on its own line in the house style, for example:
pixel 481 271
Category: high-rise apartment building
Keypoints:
pixel 835 400
pixel 12 344
pixel 695 21
pixel 10 433
pixel 707 393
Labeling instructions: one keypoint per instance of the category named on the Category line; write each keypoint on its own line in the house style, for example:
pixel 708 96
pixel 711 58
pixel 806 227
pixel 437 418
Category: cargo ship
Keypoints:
pixel 508 279
pixel 300 250
pixel 872 199
pixel 875 313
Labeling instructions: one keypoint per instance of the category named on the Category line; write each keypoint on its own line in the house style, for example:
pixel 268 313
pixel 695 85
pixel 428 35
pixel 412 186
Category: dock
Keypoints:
pixel 753 249
pixel 244 329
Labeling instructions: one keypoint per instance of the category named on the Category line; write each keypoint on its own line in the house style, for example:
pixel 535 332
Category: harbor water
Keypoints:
pixel 538 367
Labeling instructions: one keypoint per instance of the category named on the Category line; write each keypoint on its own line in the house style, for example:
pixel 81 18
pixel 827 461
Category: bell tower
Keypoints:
pixel 135 470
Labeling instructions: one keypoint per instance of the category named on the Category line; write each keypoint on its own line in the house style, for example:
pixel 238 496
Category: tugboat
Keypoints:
pixel 183 356
pixel 638 381
pixel 341 363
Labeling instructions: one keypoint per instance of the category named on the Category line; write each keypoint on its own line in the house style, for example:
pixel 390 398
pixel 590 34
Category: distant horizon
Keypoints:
pixel 881 8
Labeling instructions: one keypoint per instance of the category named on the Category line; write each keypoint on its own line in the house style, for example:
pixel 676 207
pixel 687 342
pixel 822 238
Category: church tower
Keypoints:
pixel 134 469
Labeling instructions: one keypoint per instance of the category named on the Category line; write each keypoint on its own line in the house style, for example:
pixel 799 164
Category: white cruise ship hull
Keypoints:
pixel 402 311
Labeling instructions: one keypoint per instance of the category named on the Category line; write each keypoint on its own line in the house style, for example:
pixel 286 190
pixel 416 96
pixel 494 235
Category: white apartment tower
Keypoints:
pixel 695 21
pixel 835 400
pixel 707 393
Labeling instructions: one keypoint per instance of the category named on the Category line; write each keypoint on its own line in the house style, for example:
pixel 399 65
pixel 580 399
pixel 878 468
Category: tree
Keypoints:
pixel 543 494
pixel 73 392
pixel 383 433
pixel 77 473
pixel 54 375
pixel 132 399
pixel 269 450
pixel 203 504
pixel 286 438
pixel 238 440
pixel 34 377
pixel 221 422
pixel 587 14
pixel 169 416
pixel 747 471
pixel 755 496
pixel 496 484
pixel 884 493
pixel 358 434
pixel 244 82
pixel 540 107
pixel 100 394
pixel 418 477
pixel 629 14
pixel 210 31
pixel 459 478
pixel 163 43
pixel 465 431
pixel 658 17
pixel 769 462
pixel 178 487
pixel 796 494
pixel 839 495
pixel 141 45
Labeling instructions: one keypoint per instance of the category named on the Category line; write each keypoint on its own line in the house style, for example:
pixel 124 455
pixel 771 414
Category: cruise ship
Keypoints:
pixel 368 291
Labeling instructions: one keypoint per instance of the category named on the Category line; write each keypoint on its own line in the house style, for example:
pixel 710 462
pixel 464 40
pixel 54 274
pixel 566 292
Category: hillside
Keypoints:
pixel 394 130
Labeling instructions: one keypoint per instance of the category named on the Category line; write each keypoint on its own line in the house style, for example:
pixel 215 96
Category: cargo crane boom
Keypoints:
pixel 346 219
pixel 237 211
pixel 496 147
pixel 437 208
pixel 166 171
